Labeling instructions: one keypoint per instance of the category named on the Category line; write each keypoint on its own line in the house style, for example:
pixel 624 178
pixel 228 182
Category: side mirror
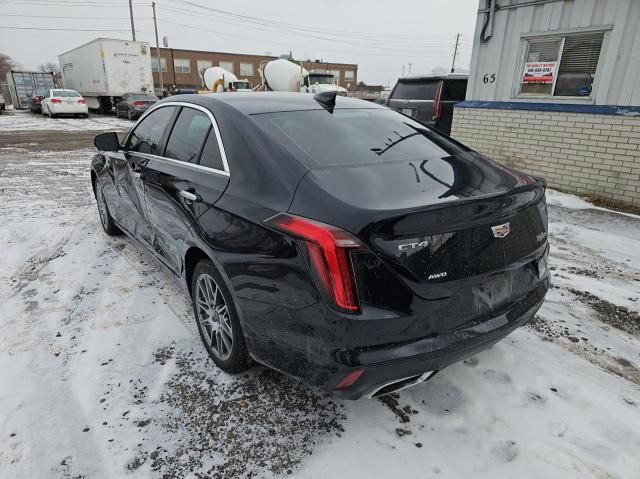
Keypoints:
pixel 107 141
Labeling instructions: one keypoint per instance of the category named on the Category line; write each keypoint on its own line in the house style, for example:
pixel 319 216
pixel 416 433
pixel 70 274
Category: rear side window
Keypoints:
pixel 188 136
pixel 147 136
pixel 211 155
pixel 454 90
pixel 351 137
pixel 416 90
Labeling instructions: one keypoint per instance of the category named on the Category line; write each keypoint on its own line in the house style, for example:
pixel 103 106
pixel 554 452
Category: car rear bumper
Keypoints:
pixel 318 346
pixel 409 362
pixel 73 109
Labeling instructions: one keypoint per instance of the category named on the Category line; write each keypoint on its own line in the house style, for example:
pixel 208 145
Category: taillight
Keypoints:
pixel 36 99
pixel 329 251
pixel 82 101
pixel 437 103
pixel 136 104
pixel 56 100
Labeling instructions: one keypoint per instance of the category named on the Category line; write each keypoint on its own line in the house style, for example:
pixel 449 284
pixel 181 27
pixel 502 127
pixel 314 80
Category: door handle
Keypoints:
pixel 189 196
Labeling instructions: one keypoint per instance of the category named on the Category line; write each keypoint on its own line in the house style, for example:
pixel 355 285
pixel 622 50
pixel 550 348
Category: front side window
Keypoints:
pixel 182 65
pixel 147 136
pixel 188 135
pixel 561 65
pixel 246 69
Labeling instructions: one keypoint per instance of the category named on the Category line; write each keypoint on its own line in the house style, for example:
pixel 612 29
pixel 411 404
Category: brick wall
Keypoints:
pixel 576 152
pixel 193 80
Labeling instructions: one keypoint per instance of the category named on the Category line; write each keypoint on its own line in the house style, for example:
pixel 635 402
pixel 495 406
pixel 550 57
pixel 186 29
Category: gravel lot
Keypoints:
pixel 103 374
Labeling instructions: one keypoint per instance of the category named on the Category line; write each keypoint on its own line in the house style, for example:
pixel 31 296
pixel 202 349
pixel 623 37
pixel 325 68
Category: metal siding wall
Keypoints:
pixel 618 78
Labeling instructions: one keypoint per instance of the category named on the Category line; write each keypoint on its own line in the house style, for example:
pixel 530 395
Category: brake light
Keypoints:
pixel 329 251
pixel 36 99
pixel 437 104
pixel 56 100
pixel 137 104
pixel 82 101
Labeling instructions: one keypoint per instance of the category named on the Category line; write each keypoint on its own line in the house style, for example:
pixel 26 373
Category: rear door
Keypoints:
pixel 184 181
pixel 415 98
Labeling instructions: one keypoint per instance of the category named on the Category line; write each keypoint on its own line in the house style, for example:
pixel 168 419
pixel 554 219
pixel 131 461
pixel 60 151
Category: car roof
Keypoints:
pixel 252 103
pixel 436 76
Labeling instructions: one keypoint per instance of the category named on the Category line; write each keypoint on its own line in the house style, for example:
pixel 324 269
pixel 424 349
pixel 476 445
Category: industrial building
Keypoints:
pixel 183 68
pixel 554 90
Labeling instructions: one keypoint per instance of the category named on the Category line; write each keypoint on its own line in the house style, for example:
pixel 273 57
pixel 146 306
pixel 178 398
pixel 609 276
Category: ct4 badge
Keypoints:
pixel 501 231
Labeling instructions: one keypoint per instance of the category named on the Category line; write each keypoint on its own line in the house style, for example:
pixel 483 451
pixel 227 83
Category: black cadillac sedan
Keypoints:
pixel 332 239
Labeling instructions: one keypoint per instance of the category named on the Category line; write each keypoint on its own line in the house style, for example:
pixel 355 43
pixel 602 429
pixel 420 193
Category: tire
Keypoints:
pixel 219 327
pixel 86 115
pixel 106 219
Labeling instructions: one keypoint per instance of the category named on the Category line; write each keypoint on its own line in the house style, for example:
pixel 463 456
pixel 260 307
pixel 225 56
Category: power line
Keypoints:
pixel 63 29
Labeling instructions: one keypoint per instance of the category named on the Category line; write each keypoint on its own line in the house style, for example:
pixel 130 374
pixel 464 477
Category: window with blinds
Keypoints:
pixel 561 65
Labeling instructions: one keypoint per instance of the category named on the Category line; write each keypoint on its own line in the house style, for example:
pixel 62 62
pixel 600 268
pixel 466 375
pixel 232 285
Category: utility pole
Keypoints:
pixel 403 69
pixel 155 25
pixel 133 28
pixel 455 53
pixel 409 68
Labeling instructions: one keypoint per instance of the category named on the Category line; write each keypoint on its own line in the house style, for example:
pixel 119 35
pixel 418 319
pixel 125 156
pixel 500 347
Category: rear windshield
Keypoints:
pixel 65 93
pixel 351 137
pixel 416 90
pixel 142 97
pixel 454 90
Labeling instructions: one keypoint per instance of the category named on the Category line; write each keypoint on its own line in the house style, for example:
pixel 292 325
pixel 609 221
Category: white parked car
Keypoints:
pixel 64 102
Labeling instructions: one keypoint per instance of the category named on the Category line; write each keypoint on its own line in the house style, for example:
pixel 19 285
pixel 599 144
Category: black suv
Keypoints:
pixel 429 98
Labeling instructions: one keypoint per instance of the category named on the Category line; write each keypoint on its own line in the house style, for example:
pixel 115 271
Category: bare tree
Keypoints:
pixel 49 67
pixel 6 65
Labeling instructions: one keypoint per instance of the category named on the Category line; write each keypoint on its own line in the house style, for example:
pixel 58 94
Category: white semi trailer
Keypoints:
pixel 104 70
pixel 283 75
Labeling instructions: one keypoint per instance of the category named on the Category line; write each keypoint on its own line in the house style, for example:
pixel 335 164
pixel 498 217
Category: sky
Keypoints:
pixel 384 39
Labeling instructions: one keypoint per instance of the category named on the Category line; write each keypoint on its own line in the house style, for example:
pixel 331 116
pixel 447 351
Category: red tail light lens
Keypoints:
pixel 82 101
pixel 137 104
pixel 329 251
pixel 56 100
pixel 36 99
pixel 437 103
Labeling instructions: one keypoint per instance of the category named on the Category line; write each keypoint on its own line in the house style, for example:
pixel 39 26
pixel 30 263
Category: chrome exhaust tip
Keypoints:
pixel 400 384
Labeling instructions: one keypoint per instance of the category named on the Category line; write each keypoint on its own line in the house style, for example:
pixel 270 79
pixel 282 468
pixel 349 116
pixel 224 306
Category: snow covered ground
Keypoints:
pixel 17 120
pixel 102 374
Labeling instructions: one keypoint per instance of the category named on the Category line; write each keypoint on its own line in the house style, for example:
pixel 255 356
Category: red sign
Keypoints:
pixel 539 72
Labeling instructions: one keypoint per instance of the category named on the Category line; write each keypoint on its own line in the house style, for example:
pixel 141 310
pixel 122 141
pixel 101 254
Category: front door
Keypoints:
pixel 145 141
pixel 183 184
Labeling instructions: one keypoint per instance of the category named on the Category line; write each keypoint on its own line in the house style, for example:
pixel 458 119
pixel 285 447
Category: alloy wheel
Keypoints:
pixel 213 315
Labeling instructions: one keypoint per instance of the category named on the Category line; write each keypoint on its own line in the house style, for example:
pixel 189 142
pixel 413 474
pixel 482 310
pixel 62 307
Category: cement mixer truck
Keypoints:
pixel 284 75
pixel 217 80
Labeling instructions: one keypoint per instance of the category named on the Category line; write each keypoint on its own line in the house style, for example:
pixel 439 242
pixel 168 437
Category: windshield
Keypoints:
pixel 352 136
pixel 321 79
pixel 65 93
